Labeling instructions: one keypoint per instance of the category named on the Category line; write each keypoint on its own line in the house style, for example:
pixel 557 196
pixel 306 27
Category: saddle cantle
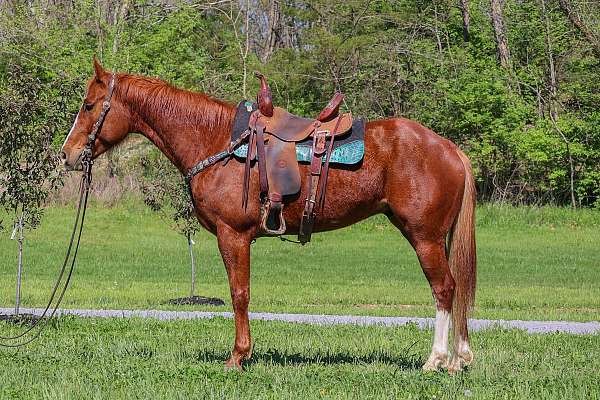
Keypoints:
pixel 291 128
pixel 273 135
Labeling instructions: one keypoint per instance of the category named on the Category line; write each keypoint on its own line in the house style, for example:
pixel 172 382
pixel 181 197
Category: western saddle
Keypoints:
pixel 273 134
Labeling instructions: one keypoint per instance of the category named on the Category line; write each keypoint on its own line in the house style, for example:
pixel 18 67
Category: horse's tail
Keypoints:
pixel 462 254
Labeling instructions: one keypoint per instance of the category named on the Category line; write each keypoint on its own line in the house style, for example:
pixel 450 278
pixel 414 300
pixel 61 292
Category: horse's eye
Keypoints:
pixel 88 107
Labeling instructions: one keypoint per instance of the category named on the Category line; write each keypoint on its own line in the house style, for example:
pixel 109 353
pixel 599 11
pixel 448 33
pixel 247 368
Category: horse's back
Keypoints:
pixel 413 148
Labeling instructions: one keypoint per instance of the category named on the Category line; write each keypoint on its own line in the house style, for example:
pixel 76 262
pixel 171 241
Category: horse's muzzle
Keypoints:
pixel 71 166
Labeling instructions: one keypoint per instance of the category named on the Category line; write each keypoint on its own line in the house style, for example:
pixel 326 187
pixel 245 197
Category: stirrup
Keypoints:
pixel 266 210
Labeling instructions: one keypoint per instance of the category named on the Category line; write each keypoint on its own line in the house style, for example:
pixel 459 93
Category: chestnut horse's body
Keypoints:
pixel 421 181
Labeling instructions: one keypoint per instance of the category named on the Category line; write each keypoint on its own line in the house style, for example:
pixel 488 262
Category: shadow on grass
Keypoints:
pixel 276 357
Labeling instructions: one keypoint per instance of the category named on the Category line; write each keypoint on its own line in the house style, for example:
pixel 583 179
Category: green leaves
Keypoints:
pixel 168 47
pixel 166 192
pixel 391 58
pixel 33 112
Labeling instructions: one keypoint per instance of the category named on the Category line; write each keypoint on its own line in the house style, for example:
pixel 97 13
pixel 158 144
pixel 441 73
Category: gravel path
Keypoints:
pixel 422 323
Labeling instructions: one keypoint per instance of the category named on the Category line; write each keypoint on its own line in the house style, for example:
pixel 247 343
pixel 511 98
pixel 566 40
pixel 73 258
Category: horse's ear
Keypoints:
pixel 98 70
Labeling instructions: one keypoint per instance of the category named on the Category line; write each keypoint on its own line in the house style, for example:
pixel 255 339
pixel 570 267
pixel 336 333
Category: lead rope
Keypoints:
pixel 42 322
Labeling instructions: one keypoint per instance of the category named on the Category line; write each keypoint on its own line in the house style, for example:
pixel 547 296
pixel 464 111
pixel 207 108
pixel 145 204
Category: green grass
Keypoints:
pixel 146 359
pixel 533 264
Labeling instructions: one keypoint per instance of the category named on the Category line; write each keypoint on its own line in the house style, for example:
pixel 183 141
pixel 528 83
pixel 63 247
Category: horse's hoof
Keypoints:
pixel 459 361
pixel 435 362
pixel 455 367
pixel 233 365
pixel 429 368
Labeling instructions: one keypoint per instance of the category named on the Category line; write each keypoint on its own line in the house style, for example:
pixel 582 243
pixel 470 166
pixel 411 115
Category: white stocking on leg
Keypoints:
pixel 439 351
pixel 461 355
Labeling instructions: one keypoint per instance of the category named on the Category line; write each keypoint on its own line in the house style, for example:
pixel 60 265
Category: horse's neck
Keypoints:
pixel 186 133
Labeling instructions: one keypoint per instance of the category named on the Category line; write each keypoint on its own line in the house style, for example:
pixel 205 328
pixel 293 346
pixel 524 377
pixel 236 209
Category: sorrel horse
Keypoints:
pixel 422 182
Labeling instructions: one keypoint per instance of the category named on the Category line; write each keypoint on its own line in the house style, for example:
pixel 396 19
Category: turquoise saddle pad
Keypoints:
pixel 346 153
pixel 348 148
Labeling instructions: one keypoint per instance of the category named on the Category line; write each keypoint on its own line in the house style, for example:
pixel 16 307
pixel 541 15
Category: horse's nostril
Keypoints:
pixel 63 155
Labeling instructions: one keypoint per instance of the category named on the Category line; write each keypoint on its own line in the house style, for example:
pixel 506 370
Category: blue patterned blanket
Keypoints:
pixel 347 149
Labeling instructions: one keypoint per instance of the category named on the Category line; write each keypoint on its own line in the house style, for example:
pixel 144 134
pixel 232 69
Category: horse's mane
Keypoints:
pixel 152 97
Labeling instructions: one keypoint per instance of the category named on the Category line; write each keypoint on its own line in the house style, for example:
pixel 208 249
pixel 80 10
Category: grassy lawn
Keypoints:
pixel 147 359
pixel 533 264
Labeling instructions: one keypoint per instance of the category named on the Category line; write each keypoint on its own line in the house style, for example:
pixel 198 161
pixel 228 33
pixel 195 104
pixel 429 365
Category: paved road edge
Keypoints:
pixel 422 323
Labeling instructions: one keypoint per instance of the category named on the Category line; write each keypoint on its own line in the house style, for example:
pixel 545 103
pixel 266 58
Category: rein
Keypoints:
pixel 210 161
pixel 84 189
pixel 215 158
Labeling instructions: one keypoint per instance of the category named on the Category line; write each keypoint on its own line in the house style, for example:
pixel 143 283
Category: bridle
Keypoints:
pixel 86 155
pixel 84 189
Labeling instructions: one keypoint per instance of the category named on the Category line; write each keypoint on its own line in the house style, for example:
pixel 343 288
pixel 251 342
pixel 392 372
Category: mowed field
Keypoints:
pixel 146 359
pixel 539 264
pixel 532 264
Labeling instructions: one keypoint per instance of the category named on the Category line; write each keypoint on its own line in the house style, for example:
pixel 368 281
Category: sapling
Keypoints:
pixel 32 114
pixel 165 191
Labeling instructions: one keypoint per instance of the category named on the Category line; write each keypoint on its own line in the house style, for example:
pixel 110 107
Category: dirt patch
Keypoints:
pixel 19 319
pixel 197 300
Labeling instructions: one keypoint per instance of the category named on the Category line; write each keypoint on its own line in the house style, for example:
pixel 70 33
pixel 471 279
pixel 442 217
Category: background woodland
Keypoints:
pixel 515 83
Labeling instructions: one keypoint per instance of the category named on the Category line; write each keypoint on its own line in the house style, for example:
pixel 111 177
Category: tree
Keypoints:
pixel 576 20
pixel 466 17
pixel 166 192
pixel 553 100
pixel 391 58
pixel 500 33
pixel 32 113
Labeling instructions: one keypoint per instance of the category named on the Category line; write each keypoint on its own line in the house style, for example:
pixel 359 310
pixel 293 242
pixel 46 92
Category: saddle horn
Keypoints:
pixel 264 97
pixel 332 109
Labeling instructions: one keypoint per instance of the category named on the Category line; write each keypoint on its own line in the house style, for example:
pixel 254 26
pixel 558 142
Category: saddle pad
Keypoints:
pixel 347 149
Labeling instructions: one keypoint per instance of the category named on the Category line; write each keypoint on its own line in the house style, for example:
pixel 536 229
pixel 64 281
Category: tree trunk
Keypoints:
pixel 500 33
pixel 553 101
pixel 33 12
pixel 190 244
pixel 552 85
pixel 594 40
pixel 274 29
pixel 100 45
pixel 19 232
pixel 466 17
pixel 120 15
pixel 437 28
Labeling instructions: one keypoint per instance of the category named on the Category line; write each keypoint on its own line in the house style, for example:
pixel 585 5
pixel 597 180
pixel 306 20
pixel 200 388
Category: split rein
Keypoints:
pixel 37 327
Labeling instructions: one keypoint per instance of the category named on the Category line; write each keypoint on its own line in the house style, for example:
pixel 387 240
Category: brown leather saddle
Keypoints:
pixel 273 134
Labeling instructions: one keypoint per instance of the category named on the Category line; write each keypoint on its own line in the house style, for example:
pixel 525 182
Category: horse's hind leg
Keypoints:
pixel 432 256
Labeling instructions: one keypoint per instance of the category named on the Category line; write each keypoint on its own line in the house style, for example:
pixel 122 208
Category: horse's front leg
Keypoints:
pixel 235 250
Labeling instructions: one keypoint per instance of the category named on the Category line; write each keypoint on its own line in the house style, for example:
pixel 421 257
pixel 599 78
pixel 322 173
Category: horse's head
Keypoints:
pixel 114 129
